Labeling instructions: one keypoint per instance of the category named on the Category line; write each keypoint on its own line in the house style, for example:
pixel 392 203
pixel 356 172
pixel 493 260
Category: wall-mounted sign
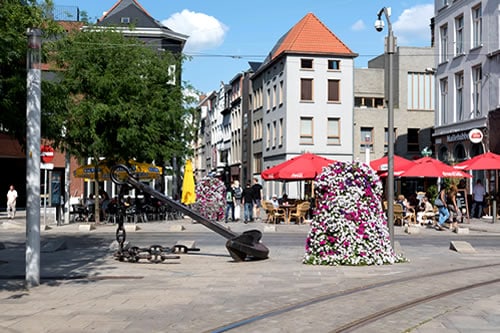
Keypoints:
pixel 475 135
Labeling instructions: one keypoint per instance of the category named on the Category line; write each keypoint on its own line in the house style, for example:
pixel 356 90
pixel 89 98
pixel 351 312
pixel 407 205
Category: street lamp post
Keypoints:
pixel 390 49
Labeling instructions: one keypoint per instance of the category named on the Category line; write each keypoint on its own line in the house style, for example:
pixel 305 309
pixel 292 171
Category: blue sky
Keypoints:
pixel 226 34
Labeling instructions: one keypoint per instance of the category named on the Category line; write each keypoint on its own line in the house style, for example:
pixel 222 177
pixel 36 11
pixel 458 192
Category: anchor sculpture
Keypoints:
pixel 241 247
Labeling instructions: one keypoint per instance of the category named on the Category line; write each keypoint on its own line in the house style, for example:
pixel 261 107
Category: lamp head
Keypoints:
pixel 379 25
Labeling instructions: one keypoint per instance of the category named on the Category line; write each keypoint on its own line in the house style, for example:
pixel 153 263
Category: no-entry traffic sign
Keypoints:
pixel 47 154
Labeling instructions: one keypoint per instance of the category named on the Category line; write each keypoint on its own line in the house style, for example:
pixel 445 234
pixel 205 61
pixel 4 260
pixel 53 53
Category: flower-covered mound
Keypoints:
pixel 210 198
pixel 349 226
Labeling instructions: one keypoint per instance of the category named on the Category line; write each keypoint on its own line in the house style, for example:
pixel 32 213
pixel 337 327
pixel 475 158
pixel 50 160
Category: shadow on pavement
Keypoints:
pixel 81 260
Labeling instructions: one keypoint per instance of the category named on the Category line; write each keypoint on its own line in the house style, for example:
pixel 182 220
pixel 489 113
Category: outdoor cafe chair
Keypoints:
pixel 273 214
pixel 401 218
pixel 299 214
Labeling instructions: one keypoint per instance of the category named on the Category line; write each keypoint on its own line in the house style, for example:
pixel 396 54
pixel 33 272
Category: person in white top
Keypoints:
pixel 11 202
pixel 478 193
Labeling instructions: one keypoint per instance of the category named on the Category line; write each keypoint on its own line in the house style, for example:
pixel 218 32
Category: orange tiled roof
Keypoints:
pixel 310 35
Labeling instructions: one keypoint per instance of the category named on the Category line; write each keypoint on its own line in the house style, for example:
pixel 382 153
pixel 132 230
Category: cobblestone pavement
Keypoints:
pixel 205 290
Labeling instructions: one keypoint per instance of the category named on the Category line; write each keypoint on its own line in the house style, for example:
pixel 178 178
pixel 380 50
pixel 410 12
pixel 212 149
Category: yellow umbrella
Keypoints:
pixel 188 189
pixel 143 171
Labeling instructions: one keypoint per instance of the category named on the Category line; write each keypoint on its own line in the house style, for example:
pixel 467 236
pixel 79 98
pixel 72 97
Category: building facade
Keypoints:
pixel 467 71
pixel 414 97
pixel 301 100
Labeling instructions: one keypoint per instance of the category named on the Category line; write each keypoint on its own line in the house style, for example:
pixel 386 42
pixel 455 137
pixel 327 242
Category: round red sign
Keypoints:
pixel 475 135
pixel 47 154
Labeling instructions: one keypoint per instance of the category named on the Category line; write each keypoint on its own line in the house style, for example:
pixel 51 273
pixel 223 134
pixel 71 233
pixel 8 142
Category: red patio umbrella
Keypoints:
pixel 400 165
pixel 486 161
pixel 305 166
pixel 433 168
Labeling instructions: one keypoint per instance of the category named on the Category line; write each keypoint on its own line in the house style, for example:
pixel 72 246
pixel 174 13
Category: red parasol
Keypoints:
pixel 486 161
pixel 433 168
pixel 400 165
pixel 305 166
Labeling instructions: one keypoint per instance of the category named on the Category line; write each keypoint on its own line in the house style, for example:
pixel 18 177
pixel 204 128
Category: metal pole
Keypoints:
pixel 390 179
pixel 33 120
pixel 367 150
pixel 67 194
pixel 45 198
pixel 390 49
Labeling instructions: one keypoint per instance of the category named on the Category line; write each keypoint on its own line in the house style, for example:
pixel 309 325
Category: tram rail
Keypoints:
pixel 369 313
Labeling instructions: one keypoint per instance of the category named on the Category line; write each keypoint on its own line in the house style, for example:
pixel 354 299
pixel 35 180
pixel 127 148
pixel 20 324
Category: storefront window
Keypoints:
pixel 443 154
pixel 459 153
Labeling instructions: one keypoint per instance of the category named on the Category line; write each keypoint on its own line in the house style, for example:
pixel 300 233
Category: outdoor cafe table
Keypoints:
pixel 287 207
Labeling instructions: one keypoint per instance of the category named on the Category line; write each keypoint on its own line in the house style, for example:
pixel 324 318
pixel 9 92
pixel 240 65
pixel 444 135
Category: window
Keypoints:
pixel 275 134
pixel 444 101
pixel 477 27
pixel 413 144
pixel 268 136
pixel 281 93
pixel 334 65
pixel 333 135
pixel 306 86
pixel 477 76
pixel 274 96
pixel 306 63
pixel 306 130
pixel 366 139
pixel 459 38
pixel 444 43
pixel 125 20
pixel 268 99
pixel 369 102
pixel 257 163
pixel 386 139
pixel 280 142
pixel 459 92
pixel 420 91
pixel 333 91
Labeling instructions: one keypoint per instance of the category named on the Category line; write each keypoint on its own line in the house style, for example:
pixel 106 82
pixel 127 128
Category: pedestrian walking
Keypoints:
pixel 247 200
pixel 229 204
pixel 238 192
pixel 478 194
pixel 11 202
pixel 455 213
pixel 257 197
pixel 440 203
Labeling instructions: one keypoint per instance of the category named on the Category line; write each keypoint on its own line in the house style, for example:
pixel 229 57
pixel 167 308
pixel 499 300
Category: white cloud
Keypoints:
pixel 413 25
pixel 358 25
pixel 204 31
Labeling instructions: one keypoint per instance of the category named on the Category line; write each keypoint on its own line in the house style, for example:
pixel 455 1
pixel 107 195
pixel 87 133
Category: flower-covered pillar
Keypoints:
pixel 210 198
pixel 349 226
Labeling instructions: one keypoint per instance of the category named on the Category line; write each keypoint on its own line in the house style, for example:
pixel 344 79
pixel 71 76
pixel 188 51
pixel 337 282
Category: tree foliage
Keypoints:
pixel 111 98
pixel 15 18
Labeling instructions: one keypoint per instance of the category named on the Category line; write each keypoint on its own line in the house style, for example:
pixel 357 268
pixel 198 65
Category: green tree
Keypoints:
pixel 15 18
pixel 110 98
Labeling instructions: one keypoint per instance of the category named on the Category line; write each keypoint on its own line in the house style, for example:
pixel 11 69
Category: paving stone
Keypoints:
pixel 131 227
pixel 86 227
pixel 461 231
pixel 412 230
pixel 461 247
pixel 177 227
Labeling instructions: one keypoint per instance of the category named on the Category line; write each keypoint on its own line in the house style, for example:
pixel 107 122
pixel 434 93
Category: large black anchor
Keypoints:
pixel 245 246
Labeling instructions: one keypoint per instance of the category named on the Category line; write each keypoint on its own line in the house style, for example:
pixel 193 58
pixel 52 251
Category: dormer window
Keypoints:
pixel 125 20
